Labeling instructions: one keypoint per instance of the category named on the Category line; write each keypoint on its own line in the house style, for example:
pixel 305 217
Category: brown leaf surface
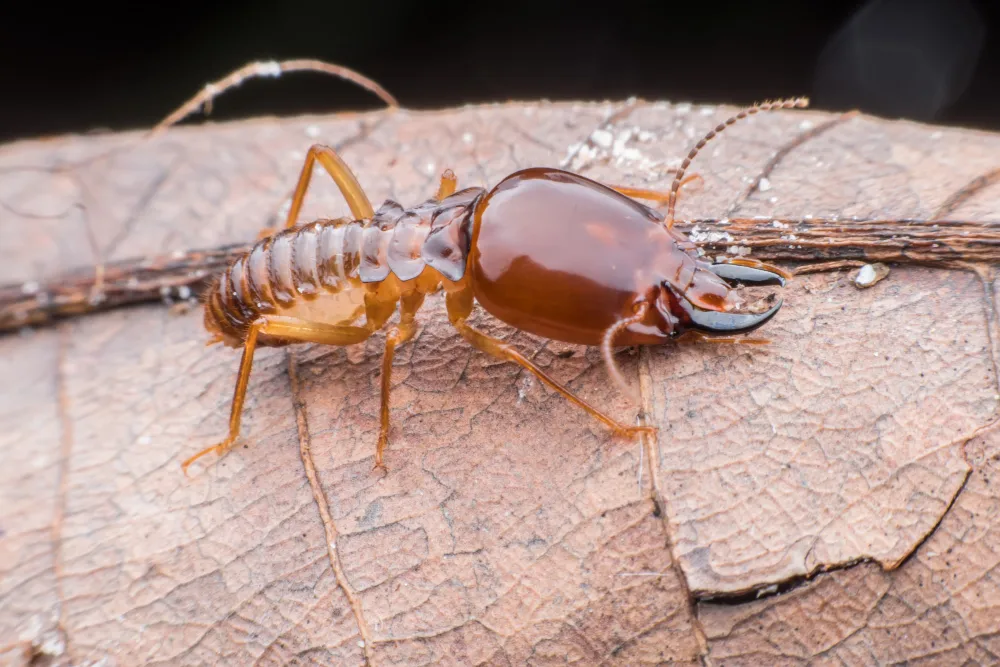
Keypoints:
pixel 510 529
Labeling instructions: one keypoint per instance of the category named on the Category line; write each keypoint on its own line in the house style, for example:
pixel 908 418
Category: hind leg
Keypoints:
pixel 347 182
pixel 280 327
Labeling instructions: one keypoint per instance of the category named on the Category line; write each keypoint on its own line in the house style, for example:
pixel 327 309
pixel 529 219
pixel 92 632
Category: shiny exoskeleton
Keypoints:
pixel 547 251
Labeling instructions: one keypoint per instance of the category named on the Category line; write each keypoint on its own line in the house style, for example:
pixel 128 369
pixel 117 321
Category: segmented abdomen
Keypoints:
pixel 318 271
pixel 310 268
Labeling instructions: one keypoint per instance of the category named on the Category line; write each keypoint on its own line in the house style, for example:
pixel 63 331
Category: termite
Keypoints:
pixel 546 251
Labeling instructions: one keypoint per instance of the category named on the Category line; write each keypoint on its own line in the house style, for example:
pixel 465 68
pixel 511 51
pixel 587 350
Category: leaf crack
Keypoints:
pixel 660 505
pixel 305 450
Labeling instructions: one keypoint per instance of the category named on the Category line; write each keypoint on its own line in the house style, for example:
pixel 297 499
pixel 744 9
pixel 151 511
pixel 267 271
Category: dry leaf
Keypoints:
pixel 830 473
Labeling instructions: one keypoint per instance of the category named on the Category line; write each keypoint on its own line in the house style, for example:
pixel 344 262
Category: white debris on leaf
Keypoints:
pixel 738 250
pixel 764 185
pixel 602 138
pixel 870 274
pixel 778 224
pixel 698 235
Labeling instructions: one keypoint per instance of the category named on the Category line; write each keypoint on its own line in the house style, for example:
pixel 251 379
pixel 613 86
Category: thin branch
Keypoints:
pixel 182 275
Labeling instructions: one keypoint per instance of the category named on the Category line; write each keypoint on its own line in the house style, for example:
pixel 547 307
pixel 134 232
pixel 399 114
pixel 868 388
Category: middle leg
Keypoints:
pixel 459 308
pixel 401 333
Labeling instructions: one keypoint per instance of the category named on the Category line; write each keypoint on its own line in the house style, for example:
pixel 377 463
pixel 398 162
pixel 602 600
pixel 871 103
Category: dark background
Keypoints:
pixel 93 67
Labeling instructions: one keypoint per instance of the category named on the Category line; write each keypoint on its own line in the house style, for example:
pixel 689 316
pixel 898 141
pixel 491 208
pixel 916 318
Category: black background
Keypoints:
pixel 95 67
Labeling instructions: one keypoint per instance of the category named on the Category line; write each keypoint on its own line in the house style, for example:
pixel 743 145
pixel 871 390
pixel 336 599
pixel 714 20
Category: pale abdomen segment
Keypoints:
pixel 319 271
pixel 310 272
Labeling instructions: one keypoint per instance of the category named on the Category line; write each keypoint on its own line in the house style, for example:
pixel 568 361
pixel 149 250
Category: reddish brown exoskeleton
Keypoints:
pixel 547 251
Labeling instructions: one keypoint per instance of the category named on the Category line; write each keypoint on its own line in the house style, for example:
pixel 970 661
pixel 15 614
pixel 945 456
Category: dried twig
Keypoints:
pixel 817 244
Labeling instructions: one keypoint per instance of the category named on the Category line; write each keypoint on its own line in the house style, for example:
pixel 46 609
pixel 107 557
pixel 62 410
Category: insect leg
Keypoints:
pixel 401 333
pixel 449 183
pixel 661 198
pixel 459 307
pixel 278 326
pixel 699 337
pixel 357 200
pixel 236 411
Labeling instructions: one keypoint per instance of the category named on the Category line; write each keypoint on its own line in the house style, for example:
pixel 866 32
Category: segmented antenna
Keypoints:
pixel 798 102
pixel 273 69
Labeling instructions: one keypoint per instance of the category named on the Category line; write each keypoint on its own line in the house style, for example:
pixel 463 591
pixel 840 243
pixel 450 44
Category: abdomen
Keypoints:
pixel 310 273
pixel 561 256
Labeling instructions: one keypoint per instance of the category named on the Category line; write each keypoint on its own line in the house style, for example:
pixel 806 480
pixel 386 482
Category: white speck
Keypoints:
pixel 361 643
pixel 645 136
pixel 866 275
pixel 430 166
pixel 806 125
pixel 286 206
pixel 706 110
pixel 184 292
pixel 312 131
pixel 165 291
pixel 699 236
pixel 52 644
pixel 738 250
pixel 778 224
pixel 768 590
pixel 177 254
pixel 132 282
pixel 773 200
pixel 602 138
pixel 211 89
pixel 467 138
pixel 30 287
pixel 764 185
pixel 996 397
pixel 935 135
pixel 683 107
pixel 789 237
pixel 298 156
pixel 724 221
pixel 620 142
pixel 144 440
pixel 333 546
pixel 269 68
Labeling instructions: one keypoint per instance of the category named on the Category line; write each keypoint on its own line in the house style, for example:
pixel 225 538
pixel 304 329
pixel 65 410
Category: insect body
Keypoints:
pixel 545 250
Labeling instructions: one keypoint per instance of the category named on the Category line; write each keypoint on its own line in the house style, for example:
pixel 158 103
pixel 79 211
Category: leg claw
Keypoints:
pixel 220 449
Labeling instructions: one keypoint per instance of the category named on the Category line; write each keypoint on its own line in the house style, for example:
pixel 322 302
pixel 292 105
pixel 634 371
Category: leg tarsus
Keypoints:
pixel 448 184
